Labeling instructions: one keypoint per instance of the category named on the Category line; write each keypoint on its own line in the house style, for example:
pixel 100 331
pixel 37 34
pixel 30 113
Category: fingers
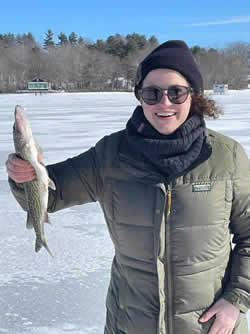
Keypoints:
pixel 222 326
pixel 19 170
pixel 219 328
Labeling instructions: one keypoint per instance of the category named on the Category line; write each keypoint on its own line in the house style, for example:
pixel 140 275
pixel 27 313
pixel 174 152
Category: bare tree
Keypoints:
pixel 110 64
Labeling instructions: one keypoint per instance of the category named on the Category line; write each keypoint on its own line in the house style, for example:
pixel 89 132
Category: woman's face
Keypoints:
pixel 179 112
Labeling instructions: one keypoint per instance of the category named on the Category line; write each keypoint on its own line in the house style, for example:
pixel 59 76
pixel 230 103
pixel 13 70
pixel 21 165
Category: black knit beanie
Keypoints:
pixel 174 55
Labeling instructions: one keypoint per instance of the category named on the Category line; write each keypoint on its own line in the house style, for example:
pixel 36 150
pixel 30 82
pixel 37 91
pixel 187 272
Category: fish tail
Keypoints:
pixel 42 243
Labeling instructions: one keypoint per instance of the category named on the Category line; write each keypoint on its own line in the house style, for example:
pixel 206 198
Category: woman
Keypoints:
pixel 171 191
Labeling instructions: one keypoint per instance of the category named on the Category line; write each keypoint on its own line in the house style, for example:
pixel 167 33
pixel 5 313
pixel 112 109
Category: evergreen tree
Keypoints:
pixel 63 40
pixel 73 38
pixel 131 44
pixel 195 50
pixel 139 40
pixel 48 40
pixel 81 41
pixel 116 46
pixel 100 45
pixel 9 39
pixel 153 41
pixel 28 39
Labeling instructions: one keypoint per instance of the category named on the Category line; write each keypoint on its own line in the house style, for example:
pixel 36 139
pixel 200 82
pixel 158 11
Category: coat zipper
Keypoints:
pixel 169 201
pixel 168 264
pixel 167 249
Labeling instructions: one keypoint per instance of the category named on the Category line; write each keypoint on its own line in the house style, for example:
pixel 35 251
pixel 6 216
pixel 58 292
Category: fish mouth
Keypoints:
pixel 21 124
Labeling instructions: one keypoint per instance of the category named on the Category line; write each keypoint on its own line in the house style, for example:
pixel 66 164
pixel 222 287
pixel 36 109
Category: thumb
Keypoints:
pixel 208 315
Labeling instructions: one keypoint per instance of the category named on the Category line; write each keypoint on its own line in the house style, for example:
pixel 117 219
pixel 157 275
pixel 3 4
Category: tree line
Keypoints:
pixel 75 63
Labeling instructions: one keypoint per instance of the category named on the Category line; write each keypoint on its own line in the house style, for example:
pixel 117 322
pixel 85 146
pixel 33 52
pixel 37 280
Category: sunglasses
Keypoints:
pixel 176 94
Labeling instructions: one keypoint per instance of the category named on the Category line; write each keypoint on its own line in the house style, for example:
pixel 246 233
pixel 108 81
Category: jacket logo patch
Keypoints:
pixel 201 187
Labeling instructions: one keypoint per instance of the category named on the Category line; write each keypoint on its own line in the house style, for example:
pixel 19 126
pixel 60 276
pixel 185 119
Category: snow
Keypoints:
pixel 66 294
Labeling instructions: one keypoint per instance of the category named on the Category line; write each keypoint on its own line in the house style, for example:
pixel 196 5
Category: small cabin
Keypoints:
pixel 220 88
pixel 38 85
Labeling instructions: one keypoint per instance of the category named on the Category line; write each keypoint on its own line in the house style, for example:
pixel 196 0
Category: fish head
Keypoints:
pixel 22 133
pixel 22 124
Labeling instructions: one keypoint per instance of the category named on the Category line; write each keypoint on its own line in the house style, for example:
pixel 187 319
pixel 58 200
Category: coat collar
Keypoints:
pixel 137 166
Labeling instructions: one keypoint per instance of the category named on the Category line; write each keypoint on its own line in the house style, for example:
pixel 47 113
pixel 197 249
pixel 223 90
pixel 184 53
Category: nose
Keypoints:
pixel 165 100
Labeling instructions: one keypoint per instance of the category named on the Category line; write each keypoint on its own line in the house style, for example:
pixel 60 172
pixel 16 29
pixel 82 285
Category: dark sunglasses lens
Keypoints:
pixel 151 95
pixel 178 94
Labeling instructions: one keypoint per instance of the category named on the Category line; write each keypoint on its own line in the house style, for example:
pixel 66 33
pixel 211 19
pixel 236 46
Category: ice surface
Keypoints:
pixel 66 294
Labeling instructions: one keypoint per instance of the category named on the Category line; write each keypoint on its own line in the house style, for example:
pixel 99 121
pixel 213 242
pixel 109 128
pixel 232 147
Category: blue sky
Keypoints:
pixel 213 23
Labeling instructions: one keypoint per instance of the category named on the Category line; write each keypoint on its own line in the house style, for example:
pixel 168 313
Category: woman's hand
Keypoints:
pixel 20 170
pixel 226 317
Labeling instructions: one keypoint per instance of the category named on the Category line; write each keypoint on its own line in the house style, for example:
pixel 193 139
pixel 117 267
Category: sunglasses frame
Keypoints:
pixel 163 92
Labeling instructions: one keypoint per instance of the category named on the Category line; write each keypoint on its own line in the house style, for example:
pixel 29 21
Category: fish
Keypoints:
pixel 37 190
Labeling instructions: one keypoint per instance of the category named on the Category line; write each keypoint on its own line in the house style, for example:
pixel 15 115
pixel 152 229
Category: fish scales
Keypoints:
pixel 36 191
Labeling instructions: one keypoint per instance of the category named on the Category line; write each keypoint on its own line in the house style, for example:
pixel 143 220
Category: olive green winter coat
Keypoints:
pixel 173 256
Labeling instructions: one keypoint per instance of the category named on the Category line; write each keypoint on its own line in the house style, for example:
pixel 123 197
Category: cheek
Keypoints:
pixel 147 109
pixel 185 109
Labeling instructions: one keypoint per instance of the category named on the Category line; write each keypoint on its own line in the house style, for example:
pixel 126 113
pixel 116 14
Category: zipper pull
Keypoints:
pixel 169 202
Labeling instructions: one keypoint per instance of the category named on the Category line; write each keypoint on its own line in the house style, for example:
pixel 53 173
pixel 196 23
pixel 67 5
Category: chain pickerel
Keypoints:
pixel 36 191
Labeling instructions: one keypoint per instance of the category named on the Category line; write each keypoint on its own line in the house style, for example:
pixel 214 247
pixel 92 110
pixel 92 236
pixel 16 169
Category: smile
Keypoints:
pixel 163 115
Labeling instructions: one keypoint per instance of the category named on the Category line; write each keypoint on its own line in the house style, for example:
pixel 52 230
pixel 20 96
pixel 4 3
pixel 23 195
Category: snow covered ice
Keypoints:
pixel 66 294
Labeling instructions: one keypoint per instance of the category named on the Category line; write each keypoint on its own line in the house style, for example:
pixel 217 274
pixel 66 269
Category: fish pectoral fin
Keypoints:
pixel 46 218
pixel 52 184
pixel 29 221
pixel 38 147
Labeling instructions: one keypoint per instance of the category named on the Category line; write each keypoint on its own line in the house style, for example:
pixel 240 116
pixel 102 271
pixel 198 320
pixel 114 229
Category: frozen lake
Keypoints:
pixel 66 294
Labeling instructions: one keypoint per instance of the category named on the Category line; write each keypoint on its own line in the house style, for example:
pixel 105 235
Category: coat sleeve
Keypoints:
pixel 77 182
pixel 237 290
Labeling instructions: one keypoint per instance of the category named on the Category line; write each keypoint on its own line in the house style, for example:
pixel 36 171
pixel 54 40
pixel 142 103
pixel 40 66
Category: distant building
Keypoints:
pixel 120 83
pixel 39 85
pixel 220 88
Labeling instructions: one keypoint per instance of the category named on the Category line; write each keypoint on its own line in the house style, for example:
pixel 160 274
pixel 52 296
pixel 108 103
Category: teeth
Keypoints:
pixel 168 114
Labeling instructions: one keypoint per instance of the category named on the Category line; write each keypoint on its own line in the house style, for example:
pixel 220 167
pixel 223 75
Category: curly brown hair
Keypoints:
pixel 202 104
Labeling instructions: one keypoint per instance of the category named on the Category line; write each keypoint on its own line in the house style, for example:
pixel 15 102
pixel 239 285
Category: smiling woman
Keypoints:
pixel 172 192
pixel 167 113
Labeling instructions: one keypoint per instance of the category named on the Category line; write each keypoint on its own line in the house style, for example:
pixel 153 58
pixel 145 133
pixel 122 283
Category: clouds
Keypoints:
pixel 233 20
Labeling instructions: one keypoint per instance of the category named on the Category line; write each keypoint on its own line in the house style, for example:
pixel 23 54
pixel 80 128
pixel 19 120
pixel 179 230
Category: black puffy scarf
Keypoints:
pixel 171 154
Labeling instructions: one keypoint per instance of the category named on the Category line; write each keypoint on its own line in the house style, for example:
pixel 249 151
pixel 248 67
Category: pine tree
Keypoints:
pixel 48 40
pixel 153 40
pixel 63 40
pixel 81 41
pixel 73 38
